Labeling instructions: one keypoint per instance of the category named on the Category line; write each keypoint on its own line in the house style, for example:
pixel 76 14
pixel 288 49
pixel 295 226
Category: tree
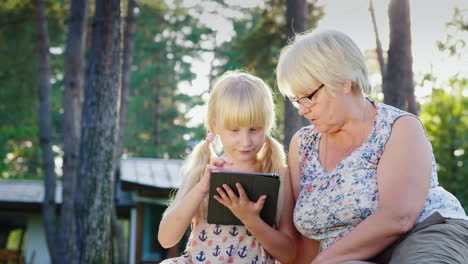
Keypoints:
pixel 94 198
pixel 72 96
pixel 162 61
pixel 127 59
pixel 296 22
pixel 397 72
pixel 255 47
pixel 48 208
pixel 20 150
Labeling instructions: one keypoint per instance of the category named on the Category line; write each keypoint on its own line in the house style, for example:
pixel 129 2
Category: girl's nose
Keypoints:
pixel 246 140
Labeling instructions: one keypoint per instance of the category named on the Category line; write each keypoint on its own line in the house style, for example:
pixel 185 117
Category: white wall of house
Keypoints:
pixel 36 245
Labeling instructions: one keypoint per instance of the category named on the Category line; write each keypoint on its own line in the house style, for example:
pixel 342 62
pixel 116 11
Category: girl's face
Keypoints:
pixel 242 144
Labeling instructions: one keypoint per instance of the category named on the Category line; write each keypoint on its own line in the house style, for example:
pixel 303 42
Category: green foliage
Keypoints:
pixel 165 39
pixel 445 118
pixel 19 146
pixel 457 31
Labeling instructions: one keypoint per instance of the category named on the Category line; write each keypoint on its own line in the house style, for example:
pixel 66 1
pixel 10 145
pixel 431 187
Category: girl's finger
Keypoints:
pixel 242 194
pixel 230 193
pixel 220 200
pixel 260 202
pixel 223 195
pixel 227 160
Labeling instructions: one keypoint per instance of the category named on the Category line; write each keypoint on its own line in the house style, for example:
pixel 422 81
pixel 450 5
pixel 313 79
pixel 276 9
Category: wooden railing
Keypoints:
pixel 8 256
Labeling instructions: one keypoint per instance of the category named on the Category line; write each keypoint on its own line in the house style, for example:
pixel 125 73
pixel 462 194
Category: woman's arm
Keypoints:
pixel 403 177
pixel 307 249
pixel 176 221
pixel 280 243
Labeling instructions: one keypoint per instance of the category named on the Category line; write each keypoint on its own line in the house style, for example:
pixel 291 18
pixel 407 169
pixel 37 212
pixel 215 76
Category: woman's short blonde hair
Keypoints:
pixel 314 57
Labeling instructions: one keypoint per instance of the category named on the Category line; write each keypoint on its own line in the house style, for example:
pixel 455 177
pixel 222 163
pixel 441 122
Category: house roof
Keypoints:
pixel 32 192
pixel 153 177
pixel 155 173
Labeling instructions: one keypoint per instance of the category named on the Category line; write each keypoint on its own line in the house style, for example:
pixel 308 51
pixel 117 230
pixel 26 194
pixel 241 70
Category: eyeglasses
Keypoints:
pixel 306 101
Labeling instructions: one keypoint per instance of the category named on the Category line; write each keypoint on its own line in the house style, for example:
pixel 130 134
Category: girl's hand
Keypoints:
pixel 219 163
pixel 244 209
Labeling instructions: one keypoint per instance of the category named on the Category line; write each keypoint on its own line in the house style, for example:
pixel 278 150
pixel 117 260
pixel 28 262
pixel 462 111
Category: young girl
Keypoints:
pixel 241 112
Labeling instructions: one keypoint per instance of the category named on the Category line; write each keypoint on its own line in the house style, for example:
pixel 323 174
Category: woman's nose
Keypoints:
pixel 303 110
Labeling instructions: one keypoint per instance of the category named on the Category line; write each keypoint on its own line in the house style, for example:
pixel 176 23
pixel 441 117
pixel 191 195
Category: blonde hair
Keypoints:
pixel 314 57
pixel 238 99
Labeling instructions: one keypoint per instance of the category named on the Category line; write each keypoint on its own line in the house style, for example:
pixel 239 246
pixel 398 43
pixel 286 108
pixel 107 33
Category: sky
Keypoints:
pixel 428 25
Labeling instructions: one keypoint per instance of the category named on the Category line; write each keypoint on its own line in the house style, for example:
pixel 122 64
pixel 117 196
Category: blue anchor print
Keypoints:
pixel 248 233
pixel 234 231
pixel 255 260
pixel 242 253
pixel 217 251
pixel 203 236
pixel 218 230
pixel 201 256
pixel 229 251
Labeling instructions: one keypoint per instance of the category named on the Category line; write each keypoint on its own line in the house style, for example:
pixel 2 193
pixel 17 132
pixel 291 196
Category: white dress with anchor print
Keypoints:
pixel 217 244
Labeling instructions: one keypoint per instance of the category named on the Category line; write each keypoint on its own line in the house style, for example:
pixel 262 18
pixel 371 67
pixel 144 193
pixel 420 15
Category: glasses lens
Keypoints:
pixel 306 102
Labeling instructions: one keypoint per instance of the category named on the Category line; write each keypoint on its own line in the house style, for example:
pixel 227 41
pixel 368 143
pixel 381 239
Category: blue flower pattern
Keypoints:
pixel 331 204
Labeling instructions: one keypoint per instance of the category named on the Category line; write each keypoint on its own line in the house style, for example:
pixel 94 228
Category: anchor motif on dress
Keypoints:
pixel 217 251
pixel 229 251
pixel 248 233
pixel 255 260
pixel 234 231
pixel 203 236
pixel 218 230
pixel 242 253
pixel 201 256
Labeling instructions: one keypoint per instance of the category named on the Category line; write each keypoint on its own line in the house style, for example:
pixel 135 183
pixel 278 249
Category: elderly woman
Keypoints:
pixel 364 175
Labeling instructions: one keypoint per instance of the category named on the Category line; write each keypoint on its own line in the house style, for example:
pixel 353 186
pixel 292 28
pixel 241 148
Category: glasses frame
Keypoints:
pixel 306 101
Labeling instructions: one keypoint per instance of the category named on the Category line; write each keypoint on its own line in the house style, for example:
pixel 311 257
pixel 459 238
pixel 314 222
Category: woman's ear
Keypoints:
pixel 347 87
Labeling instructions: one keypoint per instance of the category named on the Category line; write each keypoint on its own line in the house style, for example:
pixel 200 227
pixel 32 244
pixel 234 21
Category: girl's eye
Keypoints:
pixel 254 129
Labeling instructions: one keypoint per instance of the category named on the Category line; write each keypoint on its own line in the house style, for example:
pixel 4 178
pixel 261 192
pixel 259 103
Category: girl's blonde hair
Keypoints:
pixel 314 57
pixel 237 99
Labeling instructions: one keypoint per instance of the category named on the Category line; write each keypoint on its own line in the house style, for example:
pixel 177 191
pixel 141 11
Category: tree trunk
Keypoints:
pixel 95 193
pixel 398 84
pixel 296 22
pixel 72 96
pixel 45 131
pixel 377 41
pixel 127 60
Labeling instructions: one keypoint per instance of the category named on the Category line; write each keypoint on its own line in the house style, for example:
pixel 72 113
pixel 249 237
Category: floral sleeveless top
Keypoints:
pixel 217 244
pixel 331 204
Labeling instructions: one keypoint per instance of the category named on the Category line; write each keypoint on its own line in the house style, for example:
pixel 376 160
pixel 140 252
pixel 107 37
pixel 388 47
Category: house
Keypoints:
pixel 145 185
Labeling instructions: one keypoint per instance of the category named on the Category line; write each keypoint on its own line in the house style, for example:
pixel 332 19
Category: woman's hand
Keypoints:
pixel 241 206
pixel 218 163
